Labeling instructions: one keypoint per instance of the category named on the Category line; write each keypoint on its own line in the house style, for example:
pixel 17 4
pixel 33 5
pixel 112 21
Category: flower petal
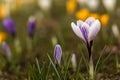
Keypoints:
pixel 85 30
pixel 94 29
pixel 90 20
pixel 77 30
pixel 79 23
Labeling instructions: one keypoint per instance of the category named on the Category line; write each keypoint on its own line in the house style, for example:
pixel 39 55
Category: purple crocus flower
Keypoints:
pixel 9 25
pixel 6 49
pixel 87 30
pixel 31 26
pixel 57 54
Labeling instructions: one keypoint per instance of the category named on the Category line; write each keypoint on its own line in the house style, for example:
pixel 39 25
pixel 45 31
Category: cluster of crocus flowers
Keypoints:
pixel 31 26
pixel 9 25
pixel 57 54
pixel 87 31
pixel 83 14
pixel 71 6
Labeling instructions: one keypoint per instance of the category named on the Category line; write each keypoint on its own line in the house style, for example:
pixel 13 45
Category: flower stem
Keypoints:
pixel 91 66
pixel 117 62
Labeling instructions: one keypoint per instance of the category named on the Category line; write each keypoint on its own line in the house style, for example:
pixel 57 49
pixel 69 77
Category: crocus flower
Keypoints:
pixel 109 4
pixel 87 30
pixel 82 14
pixel 9 25
pixel 6 49
pixel 73 61
pixel 104 19
pixel 45 4
pixel 115 30
pixel 93 4
pixel 57 54
pixel 71 6
pixel 3 36
pixel 31 26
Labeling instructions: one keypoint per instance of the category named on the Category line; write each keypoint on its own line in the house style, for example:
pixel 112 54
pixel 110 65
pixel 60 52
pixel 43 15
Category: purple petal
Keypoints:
pixel 90 20
pixel 94 29
pixel 57 54
pixel 9 25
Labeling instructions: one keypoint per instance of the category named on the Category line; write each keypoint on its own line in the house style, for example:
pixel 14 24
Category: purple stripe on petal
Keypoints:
pixel 84 33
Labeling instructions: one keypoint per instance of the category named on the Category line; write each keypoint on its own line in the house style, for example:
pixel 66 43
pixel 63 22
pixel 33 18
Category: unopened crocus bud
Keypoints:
pixel 57 54
pixel 73 61
pixel 9 25
pixel 115 30
pixel 31 26
pixel 6 49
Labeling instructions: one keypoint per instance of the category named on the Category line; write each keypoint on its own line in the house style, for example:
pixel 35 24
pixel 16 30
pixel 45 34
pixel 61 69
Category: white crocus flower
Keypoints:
pixel 109 4
pixel 87 30
pixel 93 4
pixel 115 30
pixel 45 4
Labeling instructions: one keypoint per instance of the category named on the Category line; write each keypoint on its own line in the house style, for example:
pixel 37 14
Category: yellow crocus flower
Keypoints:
pixel 104 19
pixel 2 12
pixel 3 36
pixel 71 6
pixel 95 15
pixel 82 14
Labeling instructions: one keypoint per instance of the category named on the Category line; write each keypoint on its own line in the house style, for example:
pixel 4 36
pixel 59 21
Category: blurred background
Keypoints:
pixel 53 25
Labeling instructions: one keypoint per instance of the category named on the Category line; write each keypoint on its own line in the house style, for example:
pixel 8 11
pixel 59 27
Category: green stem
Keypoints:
pixel 91 68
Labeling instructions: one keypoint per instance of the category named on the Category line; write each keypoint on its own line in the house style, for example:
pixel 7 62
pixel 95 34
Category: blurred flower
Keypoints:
pixel 74 63
pixel 109 4
pixel 104 19
pixel 71 6
pixel 54 40
pixel 82 14
pixel 115 30
pixel 9 25
pixel 3 11
pixel 45 4
pixel 31 26
pixel 95 15
pixel 87 30
pixel 92 4
pixel 2 36
pixel 6 49
pixel 57 54
pixel 82 2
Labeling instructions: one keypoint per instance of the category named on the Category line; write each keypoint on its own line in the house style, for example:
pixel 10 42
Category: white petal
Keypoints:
pixel 77 31
pixel 94 29
pixel 79 23
pixel 90 20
